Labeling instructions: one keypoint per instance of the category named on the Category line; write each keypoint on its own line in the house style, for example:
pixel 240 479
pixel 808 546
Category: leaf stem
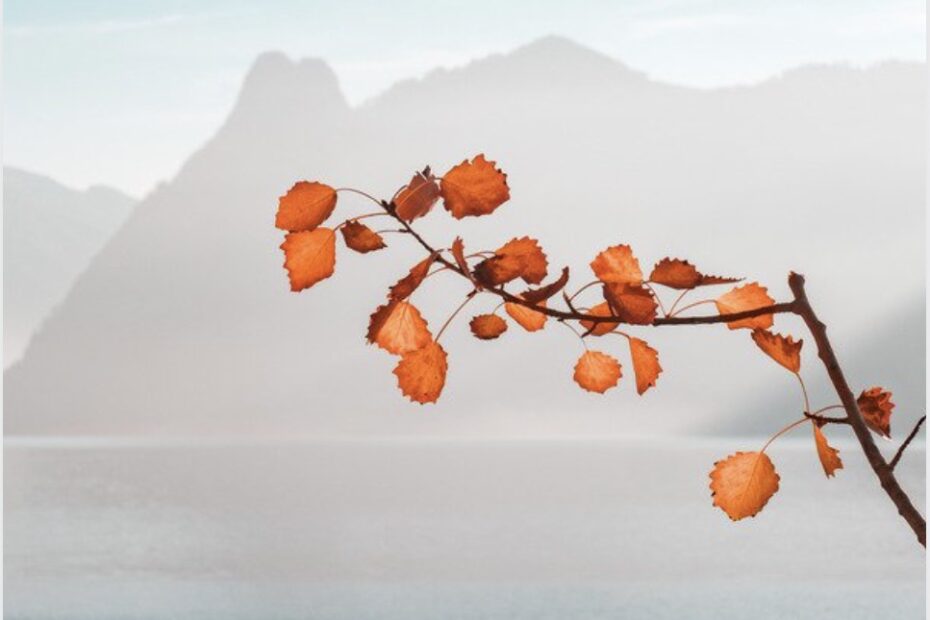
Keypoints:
pixel 782 432
pixel 467 299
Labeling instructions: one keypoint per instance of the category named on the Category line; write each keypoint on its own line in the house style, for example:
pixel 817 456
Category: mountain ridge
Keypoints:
pixel 184 323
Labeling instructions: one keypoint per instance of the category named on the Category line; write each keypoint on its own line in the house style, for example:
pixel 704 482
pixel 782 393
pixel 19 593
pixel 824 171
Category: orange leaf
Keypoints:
pixel 596 371
pixel 410 282
pixel 633 303
pixel 305 206
pixel 712 280
pixel 617 264
pixel 599 329
pixel 743 298
pixel 421 374
pixel 530 320
pixel 360 238
pixel 743 483
pixel 645 364
pixel 458 253
pixel 474 188
pixel 829 457
pixel 675 273
pixel 398 328
pixel 309 256
pixel 680 274
pixel 518 258
pixel 783 350
pixel 875 405
pixel 545 292
pixel 418 197
pixel 487 326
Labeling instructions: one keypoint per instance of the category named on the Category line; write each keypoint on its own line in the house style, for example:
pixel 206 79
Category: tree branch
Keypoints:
pixel 910 438
pixel 881 468
pixel 799 306
pixel 825 420
pixel 574 315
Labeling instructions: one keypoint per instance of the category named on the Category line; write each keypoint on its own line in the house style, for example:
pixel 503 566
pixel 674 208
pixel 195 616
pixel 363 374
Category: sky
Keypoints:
pixel 121 93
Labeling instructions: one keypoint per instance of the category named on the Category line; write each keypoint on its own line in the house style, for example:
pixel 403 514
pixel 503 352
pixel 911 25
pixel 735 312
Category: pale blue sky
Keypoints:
pixel 120 92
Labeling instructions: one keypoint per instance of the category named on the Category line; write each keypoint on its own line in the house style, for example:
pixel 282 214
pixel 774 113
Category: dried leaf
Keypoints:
pixel 305 206
pixel 675 273
pixel 783 350
pixel 418 197
pixel 398 328
pixel 743 298
pixel 518 258
pixel 599 329
pixel 633 303
pixel 617 264
pixel 487 326
pixel 360 238
pixel 829 457
pixel 458 253
pixel 530 320
pixel 682 275
pixel 474 188
pixel 597 372
pixel 545 292
pixel 645 364
pixel 875 405
pixel 309 256
pixel 713 280
pixel 410 282
pixel 421 374
pixel 743 483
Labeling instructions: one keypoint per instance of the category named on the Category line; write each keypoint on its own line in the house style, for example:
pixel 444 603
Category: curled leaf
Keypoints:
pixel 682 275
pixel 360 238
pixel 744 298
pixel 596 371
pixel 875 405
pixel 599 329
pixel 398 328
pixel 617 264
pixel 829 457
pixel 530 320
pixel 305 206
pixel 474 188
pixel 410 282
pixel 675 273
pixel 418 197
pixel 518 258
pixel 487 326
pixel 309 256
pixel 421 374
pixel 545 292
pixel 743 483
pixel 783 350
pixel 645 364
pixel 713 280
pixel 632 303
pixel 458 253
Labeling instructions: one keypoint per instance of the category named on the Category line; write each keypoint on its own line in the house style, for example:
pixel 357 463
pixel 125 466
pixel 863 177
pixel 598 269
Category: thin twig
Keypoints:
pixel 910 438
pixel 824 419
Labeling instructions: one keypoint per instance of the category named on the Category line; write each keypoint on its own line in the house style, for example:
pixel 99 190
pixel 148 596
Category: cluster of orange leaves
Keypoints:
pixel 741 484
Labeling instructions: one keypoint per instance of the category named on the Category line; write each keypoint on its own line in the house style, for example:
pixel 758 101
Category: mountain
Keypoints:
pixel 184 324
pixel 50 234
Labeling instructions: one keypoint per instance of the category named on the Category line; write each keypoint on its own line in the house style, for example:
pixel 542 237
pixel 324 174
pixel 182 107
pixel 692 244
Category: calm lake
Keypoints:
pixel 414 529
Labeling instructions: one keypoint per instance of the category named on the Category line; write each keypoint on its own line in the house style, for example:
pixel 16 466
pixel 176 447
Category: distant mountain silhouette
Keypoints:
pixel 50 234
pixel 184 324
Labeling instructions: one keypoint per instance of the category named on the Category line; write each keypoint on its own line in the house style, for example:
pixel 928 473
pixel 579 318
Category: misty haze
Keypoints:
pixel 185 437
